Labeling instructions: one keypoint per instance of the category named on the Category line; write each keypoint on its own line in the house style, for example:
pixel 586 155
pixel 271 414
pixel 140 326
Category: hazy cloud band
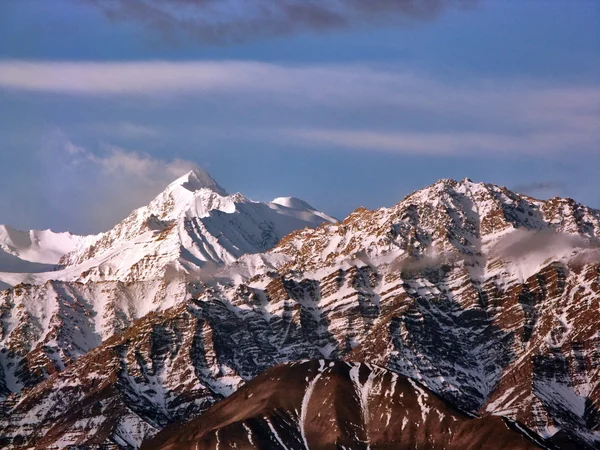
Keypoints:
pixel 506 116
pixel 450 143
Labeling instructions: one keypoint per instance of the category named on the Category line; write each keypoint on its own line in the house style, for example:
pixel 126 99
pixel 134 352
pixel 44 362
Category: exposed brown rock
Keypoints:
pixel 333 405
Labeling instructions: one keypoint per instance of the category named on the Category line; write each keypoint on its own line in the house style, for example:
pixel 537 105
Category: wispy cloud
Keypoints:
pixel 133 78
pixel 521 243
pixel 97 189
pixel 225 21
pixel 473 116
pixel 149 171
pixel 532 99
pixel 349 86
pixel 451 143
pixel 316 83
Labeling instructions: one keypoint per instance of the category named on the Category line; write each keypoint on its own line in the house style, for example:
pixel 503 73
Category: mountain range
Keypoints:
pixel 483 302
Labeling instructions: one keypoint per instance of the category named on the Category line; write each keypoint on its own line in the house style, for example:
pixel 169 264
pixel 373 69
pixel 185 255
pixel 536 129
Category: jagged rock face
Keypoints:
pixel 45 328
pixel 325 404
pixel 486 297
pixel 128 388
pixel 165 367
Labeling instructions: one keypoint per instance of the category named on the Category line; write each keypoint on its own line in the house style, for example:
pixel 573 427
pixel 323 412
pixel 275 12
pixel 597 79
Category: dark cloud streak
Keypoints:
pixel 539 187
pixel 227 21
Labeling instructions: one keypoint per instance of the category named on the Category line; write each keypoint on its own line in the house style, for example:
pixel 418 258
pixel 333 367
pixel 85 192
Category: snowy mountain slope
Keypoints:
pixel 191 224
pixel 327 404
pixel 33 251
pixel 485 296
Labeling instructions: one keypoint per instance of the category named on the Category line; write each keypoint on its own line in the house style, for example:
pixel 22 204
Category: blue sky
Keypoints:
pixel 103 102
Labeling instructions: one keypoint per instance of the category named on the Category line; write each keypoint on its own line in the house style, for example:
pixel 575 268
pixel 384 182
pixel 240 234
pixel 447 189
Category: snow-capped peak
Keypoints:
pixel 194 221
pixel 195 180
